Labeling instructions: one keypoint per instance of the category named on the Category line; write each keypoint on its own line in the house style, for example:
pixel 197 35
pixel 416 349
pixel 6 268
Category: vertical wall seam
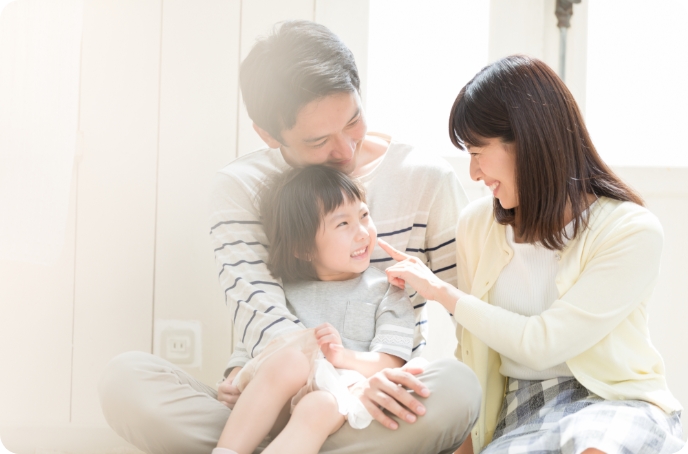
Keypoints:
pixel 157 181
pixel 239 100
pixel 238 121
pixel 76 213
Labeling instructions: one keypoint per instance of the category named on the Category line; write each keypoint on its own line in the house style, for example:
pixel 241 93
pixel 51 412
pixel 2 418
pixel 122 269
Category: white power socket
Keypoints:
pixel 178 341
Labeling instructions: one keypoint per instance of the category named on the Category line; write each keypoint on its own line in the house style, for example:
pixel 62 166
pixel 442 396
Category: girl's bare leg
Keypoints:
pixel 315 417
pixel 276 381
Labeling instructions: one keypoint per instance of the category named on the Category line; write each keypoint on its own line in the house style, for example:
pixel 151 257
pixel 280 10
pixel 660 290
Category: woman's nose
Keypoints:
pixel 474 170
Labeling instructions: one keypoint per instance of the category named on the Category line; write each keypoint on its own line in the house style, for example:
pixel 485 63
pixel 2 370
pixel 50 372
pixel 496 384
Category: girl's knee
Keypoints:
pixel 290 366
pixel 319 408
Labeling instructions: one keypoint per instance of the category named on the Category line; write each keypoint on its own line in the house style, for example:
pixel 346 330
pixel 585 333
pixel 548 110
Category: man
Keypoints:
pixel 301 89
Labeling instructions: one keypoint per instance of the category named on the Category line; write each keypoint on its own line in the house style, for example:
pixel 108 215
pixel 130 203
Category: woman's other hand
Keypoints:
pixel 330 343
pixel 227 393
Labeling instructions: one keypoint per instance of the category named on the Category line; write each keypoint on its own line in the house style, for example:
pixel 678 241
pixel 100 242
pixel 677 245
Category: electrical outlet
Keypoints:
pixel 178 341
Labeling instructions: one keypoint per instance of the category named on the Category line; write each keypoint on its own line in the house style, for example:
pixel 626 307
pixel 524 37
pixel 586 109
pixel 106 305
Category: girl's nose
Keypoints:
pixel 362 232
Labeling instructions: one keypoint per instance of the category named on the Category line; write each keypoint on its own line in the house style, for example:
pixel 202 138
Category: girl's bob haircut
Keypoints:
pixel 521 101
pixel 292 207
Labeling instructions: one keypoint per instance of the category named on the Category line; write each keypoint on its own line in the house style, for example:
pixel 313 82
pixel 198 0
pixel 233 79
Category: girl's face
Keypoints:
pixel 344 242
pixel 495 165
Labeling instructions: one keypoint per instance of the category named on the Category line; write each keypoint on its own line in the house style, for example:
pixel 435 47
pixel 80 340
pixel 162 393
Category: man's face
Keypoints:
pixel 328 131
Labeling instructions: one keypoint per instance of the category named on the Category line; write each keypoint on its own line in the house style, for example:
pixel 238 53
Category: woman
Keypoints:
pixel 555 273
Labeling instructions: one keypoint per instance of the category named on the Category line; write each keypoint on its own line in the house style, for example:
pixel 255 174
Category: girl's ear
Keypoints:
pixel 305 258
pixel 267 137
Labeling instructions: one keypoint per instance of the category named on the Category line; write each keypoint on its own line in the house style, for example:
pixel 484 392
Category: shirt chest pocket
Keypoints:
pixel 359 321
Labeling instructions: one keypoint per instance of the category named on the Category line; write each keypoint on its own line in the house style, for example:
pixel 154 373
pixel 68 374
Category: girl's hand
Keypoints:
pixel 330 343
pixel 412 271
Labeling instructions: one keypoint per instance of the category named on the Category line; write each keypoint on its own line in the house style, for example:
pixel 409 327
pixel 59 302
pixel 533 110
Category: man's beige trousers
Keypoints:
pixel 161 409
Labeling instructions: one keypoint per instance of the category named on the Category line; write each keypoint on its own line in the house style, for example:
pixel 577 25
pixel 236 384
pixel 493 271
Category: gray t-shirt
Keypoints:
pixel 369 313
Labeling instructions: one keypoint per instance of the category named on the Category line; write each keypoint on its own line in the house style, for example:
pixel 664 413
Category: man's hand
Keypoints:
pixel 389 390
pixel 227 393
pixel 330 343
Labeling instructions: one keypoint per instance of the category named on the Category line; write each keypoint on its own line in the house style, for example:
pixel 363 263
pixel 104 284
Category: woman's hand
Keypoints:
pixel 227 393
pixel 330 343
pixel 412 271
pixel 388 390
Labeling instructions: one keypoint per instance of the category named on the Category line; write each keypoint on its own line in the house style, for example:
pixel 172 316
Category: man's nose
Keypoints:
pixel 343 148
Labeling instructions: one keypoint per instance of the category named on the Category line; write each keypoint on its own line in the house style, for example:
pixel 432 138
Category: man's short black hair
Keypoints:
pixel 301 61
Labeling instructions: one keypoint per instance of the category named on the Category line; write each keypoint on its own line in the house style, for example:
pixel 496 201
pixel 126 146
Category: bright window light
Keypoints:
pixel 420 55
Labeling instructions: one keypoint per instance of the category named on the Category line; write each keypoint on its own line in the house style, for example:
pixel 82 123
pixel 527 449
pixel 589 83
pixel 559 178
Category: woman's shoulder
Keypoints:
pixel 609 212
pixel 616 220
pixel 478 211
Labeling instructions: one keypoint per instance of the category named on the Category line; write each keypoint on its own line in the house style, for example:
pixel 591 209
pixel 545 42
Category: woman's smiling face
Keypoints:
pixel 494 164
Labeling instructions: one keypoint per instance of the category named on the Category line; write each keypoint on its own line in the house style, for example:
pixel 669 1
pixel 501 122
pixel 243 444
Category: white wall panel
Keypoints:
pixel 198 124
pixel 530 27
pixel 36 336
pixel 117 191
pixel 349 19
pixel 257 19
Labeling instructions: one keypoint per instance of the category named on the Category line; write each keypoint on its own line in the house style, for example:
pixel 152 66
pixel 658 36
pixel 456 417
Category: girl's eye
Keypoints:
pixel 343 223
pixel 365 215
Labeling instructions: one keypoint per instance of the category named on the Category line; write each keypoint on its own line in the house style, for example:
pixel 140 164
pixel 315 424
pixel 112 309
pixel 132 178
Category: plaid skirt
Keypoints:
pixel 560 415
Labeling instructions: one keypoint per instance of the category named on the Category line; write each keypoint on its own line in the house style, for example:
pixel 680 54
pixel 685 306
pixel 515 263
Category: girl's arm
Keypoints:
pixel 365 363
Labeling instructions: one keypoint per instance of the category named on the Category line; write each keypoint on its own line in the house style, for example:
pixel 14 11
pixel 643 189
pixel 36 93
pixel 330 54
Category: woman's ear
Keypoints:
pixel 267 137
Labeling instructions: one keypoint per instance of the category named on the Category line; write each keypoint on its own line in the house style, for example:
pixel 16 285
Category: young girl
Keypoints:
pixel 321 239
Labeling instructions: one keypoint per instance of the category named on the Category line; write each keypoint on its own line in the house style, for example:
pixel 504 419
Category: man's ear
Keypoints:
pixel 267 138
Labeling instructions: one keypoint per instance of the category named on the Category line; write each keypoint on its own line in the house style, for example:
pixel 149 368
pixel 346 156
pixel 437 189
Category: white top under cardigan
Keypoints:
pixel 527 286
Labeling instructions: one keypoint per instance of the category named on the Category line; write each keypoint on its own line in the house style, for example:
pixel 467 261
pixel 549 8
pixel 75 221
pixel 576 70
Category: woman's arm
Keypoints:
pixel 619 274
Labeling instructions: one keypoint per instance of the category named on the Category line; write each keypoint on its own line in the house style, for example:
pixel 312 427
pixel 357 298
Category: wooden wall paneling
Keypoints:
pixel 349 20
pixel 257 19
pixel 36 333
pixel 117 191
pixel 198 125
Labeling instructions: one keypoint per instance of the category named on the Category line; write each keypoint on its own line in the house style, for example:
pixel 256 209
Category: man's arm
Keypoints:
pixel 440 236
pixel 255 299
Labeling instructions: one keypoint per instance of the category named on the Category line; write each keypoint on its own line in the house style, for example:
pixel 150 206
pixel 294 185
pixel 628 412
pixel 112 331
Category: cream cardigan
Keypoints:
pixel 598 326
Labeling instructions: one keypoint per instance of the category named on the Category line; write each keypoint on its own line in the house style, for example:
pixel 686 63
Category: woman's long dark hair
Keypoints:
pixel 520 100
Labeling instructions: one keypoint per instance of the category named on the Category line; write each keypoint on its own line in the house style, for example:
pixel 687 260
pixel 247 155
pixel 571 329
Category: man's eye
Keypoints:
pixel 318 145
